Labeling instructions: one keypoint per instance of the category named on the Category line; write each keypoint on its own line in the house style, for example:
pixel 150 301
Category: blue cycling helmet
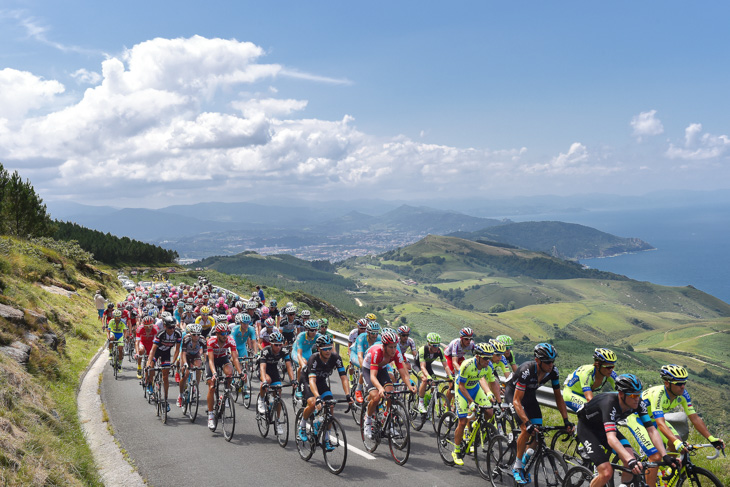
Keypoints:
pixel 311 325
pixel 276 337
pixel 324 340
pixel 545 352
pixel 629 384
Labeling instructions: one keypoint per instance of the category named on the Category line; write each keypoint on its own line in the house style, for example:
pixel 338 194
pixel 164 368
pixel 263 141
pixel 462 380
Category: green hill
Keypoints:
pixel 559 239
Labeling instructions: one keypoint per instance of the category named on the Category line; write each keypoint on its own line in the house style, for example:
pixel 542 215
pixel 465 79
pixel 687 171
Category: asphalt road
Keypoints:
pixel 180 452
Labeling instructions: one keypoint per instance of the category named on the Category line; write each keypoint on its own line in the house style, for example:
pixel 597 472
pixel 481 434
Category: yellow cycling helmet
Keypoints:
pixel 674 373
pixel 371 317
pixel 604 355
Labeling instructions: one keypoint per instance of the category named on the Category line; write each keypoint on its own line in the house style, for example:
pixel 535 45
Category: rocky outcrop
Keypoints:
pixel 18 351
pixel 11 314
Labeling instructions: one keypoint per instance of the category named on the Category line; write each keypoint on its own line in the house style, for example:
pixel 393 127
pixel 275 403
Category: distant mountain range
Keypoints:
pixel 330 232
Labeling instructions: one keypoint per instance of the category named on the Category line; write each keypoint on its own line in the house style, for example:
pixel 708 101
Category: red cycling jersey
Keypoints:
pixel 375 358
pixel 221 349
pixel 146 336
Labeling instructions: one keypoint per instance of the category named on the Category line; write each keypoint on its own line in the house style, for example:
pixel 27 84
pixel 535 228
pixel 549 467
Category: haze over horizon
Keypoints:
pixel 146 105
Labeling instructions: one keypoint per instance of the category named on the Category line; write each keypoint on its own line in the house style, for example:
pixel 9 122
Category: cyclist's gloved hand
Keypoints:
pixel 680 446
pixel 633 465
pixel 530 428
pixel 318 401
pixel 264 384
pixel 672 461
pixel 717 442
pixel 568 425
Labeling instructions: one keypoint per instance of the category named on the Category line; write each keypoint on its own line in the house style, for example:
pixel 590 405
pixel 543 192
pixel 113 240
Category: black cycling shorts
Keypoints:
pixel 322 387
pixel 217 362
pixel 596 443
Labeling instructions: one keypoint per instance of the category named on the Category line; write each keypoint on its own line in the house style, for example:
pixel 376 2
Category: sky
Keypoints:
pixel 146 104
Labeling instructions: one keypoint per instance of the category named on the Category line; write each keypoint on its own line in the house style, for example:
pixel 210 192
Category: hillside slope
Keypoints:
pixel 48 334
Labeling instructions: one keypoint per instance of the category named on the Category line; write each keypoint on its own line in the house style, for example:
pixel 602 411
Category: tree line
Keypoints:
pixel 24 215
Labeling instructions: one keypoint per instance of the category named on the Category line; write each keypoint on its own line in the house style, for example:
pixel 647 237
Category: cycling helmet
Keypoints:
pixel 188 308
pixel 240 304
pixel 153 312
pixel 433 338
pixel 362 323
pixel 306 313
pixel 169 321
pixel 404 330
pixel 264 311
pixel 387 330
pixel 466 333
pixel 251 305
pixel 497 346
pixel 193 329
pixel 604 355
pixel 673 373
pixel 148 320
pixel 117 313
pixel 371 317
pixel 129 306
pixel 629 384
pixel 110 306
pixel 289 303
pixel 324 340
pixel 229 318
pixel 243 318
pixel 389 337
pixel 221 301
pixel 269 323
pixel 506 339
pixel 311 325
pixel 373 327
pixel 204 310
pixel 220 328
pixel 323 322
pixel 180 304
pixel 234 311
pixel 276 337
pixel 168 300
pixel 272 303
pixel 545 352
pixel 190 301
pixel 290 310
pixel 483 350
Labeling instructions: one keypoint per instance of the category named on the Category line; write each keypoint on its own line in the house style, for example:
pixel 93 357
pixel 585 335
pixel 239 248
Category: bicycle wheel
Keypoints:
pixel 228 416
pixel 262 420
pixel 549 469
pixel 370 444
pixel 445 436
pixel 500 457
pixel 281 422
pixel 699 477
pixel 566 444
pixel 356 411
pixel 578 476
pixel 399 439
pixel 247 391
pixel 115 364
pixel 305 448
pixel 417 419
pixel 481 447
pixel 193 398
pixel 163 410
pixel 509 429
pixel 334 446
pixel 438 407
pixel 158 395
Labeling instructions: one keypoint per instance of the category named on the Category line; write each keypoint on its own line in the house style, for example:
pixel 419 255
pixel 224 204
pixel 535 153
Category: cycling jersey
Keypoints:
pixel 375 358
pixel 658 402
pixel 317 367
pixel 583 380
pixel 455 349
pixel 305 345
pixel 290 326
pixel 117 327
pixel 409 345
pixel 361 346
pixel 206 323
pixel 425 355
pixel 353 335
pixel 193 347
pixel 526 379
pixel 242 337
pixel 219 349
pixel 470 375
pixel 146 335
pixel 165 341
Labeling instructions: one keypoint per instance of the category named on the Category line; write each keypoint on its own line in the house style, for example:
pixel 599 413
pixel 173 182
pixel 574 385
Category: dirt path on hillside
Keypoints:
pixel 694 338
pixel 359 303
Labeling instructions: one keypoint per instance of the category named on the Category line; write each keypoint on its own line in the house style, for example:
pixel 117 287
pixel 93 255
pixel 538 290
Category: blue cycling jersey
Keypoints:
pixel 241 339
pixel 305 345
pixel 362 345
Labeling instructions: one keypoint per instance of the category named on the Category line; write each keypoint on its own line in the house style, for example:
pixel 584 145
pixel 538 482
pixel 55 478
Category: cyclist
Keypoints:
pixel 290 324
pixel 476 385
pixel 145 335
pixel 458 347
pixel 218 348
pixel 357 354
pixel 508 359
pixel 376 377
pixel 425 357
pixel 598 433
pixel 587 379
pixel 302 349
pixel 274 311
pixel 108 314
pixel 116 332
pixel 244 335
pixel 520 393
pixel 362 325
pixel 662 399
pixel 266 332
pixel 161 349
pixel 324 324
pixel 193 345
pixel 269 363
pixel 206 321
pixel 406 343
pixel 319 367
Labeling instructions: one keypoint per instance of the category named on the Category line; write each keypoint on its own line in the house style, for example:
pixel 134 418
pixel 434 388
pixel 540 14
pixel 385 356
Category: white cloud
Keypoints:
pixel 268 106
pixel 699 146
pixel 35 30
pixel 645 124
pixel 83 76
pixel 21 91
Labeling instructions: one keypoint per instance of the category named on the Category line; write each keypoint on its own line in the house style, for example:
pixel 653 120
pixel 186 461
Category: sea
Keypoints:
pixel 692 244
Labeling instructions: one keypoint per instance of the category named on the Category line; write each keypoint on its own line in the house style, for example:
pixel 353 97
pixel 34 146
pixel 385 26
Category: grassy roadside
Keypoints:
pixel 41 440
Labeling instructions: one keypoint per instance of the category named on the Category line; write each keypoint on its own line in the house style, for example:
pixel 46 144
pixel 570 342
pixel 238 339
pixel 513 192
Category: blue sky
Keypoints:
pixel 141 102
